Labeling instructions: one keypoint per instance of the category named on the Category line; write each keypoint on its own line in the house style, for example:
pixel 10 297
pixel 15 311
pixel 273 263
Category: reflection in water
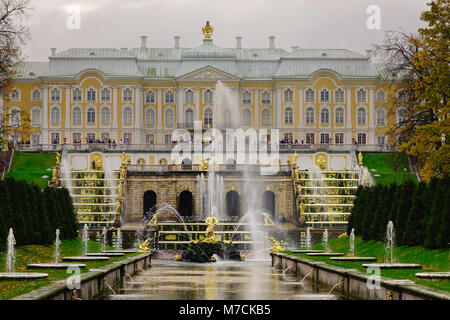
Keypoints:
pixel 225 280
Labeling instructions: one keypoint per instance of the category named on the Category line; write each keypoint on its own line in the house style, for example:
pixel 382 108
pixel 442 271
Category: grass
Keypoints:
pixel 44 254
pixel 383 163
pixel 31 167
pixel 431 260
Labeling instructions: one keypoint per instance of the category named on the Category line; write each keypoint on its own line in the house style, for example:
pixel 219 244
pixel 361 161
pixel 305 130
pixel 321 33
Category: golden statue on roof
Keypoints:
pixel 207 32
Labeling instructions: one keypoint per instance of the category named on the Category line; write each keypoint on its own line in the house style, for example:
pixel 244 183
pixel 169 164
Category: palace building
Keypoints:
pixel 328 97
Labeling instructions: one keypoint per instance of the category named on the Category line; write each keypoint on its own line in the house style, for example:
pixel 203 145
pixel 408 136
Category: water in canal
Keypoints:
pixel 224 280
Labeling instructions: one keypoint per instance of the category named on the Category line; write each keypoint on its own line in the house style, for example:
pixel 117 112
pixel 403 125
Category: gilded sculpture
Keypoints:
pixel 58 158
pixel 211 221
pixel 267 220
pixel 143 247
pixel 360 159
pixel 276 246
pixel 54 174
pixel 207 32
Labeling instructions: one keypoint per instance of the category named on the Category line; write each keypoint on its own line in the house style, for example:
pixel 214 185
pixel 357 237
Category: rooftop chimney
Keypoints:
pixel 294 48
pixel 272 42
pixel 177 42
pixel 143 41
pixel 238 42
pixel 53 51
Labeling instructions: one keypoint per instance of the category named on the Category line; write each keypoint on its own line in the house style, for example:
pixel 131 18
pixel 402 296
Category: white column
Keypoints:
pixel 159 111
pixel 179 102
pixel 67 111
pixel 372 126
pixel 348 134
pixel 300 106
pixel 197 104
pixel 256 110
pixel 44 137
pixel 277 107
pixel 115 133
pixel 138 111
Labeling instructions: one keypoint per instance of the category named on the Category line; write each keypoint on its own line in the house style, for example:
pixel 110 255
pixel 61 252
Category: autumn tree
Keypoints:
pixel 419 65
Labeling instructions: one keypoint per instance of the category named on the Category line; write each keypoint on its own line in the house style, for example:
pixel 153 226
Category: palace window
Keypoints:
pixel 55 95
pixel 208 118
pixel 361 96
pixel 189 96
pixel 169 97
pixel 189 118
pixel 288 116
pixel 104 136
pixel 265 117
pixel 361 138
pixel 149 97
pixel 208 96
pixel 90 137
pixel 324 116
pixel 339 116
pixel 402 115
pixel 14 119
pixel 266 97
pixel 381 139
pixel 15 95
pixel 309 119
pixel 309 95
pixel 167 139
pixel 247 97
pixel 339 95
pixel 288 95
pixel 36 117
pixel 106 95
pixel 168 118
pixel 127 138
pixel 324 138
pixel 36 95
pixel 381 117
pixel 90 115
pixel 339 138
pixel 76 137
pixel 55 116
pixel 127 115
pixel 149 139
pixel 105 116
pixel 76 115
pixel 150 117
pixel 127 95
pixel 91 95
pixel 76 94
pixel 402 96
pixel 324 95
pixel 361 116
pixel 246 117
pixel 288 137
pixel 55 137
pixel 381 96
pixel 310 138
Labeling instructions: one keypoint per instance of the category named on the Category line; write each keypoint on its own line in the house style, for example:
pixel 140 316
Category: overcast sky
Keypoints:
pixel 303 23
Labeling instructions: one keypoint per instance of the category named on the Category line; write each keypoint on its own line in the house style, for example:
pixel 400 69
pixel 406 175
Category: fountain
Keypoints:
pixel 57 244
pixel 325 241
pixel 351 253
pixel 118 245
pixel 308 244
pixel 104 239
pixel 10 256
pixel 85 238
pixel 326 248
pixel 352 243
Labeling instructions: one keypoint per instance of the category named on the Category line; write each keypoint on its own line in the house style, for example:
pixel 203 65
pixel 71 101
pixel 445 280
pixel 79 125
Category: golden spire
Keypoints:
pixel 207 32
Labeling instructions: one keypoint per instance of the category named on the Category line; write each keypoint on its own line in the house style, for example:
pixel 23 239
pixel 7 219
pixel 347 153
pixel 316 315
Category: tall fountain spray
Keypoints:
pixel 57 244
pixel 104 239
pixel 85 238
pixel 390 237
pixel 10 255
pixel 119 239
pixel 352 243
pixel 66 168
pixel 325 240
pixel 308 238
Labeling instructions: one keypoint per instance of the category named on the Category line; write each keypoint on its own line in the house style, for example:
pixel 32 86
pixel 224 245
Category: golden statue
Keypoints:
pixel 302 207
pixel 124 159
pixel 213 259
pixel 119 190
pixel 205 165
pixel 294 158
pixel 211 221
pixel 360 158
pixel 177 258
pixel 207 32
pixel 296 174
pixel 267 220
pixel 299 189
pixel 118 208
pixel 128 159
pixel 58 157
pixel 123 173
pixel 276 246
pixel 54 174
pixel 143 247
pixel 153 221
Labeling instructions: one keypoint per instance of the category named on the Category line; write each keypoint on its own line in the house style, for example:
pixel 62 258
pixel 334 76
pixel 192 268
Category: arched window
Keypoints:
pixel 227 118
pixel 189 96
pixel 247 97
pixel 381 139
pixel 150 117
pixel 381 96
pixel 127 95
pixel 339 95
pixel 169 97
pixel 55 95
pixel 265 117
pixel 361 116
pixel 324 95
pixel 106 95
pixel 381 117
pixel 90 115
pixel 36 116
pixel 14 119
pixel 324 116
pixel 288 95
pixel 36 95
pixel 309 119
pixel 309 95
pixel 339 116
pixel 402 115
pixel 127 115
pixel 361 96
pixel 246 117
pixel 401 96
pixel 15 95
pixel 105 115
pixel 76 94
pixel 91 95
pixel 189 118
pixel 55 116
pixel 76 115
pixel 208 118
pixel 208 96
pixel 168 118
pixel 288 116
pixel 149 97
pixel 266 97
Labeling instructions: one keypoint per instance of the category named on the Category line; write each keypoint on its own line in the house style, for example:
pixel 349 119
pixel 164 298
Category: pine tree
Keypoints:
pixel 3 227
pixel 369 211
pixel 18 221
pixel 356 204
pixel 433 224
pixel 70 213
pixel 52 210
pixel 44 224
pixel 443 238
pixel 375 230
pixel 414 230
pixel 404 205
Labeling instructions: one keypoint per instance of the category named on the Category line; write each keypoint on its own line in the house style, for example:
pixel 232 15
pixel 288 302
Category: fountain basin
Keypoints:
pixel 86 258
pixel 22 275
pixel 55 265
pixel 433 276
pixel 121 251
pixel 393 265
pixel 325 254
pixel 353 259
pixel 105 254
pixel 306 251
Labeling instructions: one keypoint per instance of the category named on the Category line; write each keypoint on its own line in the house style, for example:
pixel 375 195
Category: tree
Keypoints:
pixel 419 65
pixel 3 213
pixel 17 222
pixel 434 221
pixel 404 205
pixel 369 211
pixel 356 204
pixel 414 229
pixel 376 227
pixel 46 233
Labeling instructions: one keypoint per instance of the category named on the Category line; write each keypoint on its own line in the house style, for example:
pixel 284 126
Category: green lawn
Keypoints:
pixel 432 260
pixel 44 254
pixel 383 163
pixel 32 167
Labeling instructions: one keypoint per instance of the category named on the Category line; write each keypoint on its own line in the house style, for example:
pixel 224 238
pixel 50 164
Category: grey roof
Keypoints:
pixel 324 54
